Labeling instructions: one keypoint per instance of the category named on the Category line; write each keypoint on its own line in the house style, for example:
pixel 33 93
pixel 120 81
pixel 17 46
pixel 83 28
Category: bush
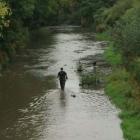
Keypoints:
pixel 104 36
pixel 125 96
pixel 135 69
pixel 118 87
pixel 131 123
pixel 114 13
pixel 128 35
pixel 131 40
pixel 90 80
pixel 112 55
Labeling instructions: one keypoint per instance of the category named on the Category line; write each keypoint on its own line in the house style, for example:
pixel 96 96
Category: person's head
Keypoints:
pixel 61 69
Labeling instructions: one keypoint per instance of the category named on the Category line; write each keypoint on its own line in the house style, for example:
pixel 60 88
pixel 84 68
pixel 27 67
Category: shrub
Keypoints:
pixel 104 36
pixel 112 55
pixel 114 13
pixel 135 69
pixel 127 35
pixel 131 123
pixel 118 87
pixel 90 80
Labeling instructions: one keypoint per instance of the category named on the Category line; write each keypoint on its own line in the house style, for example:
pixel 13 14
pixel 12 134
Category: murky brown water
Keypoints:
pixel 32 107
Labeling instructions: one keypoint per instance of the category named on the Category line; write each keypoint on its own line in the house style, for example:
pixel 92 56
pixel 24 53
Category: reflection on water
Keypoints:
pixel 62 95
pixel 32 107
pixel 63 98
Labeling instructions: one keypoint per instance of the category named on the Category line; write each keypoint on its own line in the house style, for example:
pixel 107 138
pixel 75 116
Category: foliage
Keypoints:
pixel 131 124
pixel 112 56
pixel 104 36
pixel 135 69
pixel 4 12
pixel 90 79
pixel 114 13
pixel 17 17
pixel 43 10
pixel 119 88
pixel 3 9
pixel 123 54
pixel 129 31
pixel 89 8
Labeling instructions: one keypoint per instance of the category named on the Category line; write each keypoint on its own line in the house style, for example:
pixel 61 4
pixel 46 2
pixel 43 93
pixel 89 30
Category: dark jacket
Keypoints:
pixel 62 75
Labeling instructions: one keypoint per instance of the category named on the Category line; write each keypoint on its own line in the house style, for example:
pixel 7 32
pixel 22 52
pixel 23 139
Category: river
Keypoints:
pixel 32 106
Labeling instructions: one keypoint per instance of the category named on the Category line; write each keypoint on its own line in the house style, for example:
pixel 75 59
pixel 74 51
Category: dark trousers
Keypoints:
pixel 62 84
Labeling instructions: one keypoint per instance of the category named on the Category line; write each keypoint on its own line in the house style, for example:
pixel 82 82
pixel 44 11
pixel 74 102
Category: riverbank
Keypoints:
pixel 123 90
pixel 124 93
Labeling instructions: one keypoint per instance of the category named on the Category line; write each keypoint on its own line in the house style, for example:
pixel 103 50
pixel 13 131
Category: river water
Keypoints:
pixel 32 107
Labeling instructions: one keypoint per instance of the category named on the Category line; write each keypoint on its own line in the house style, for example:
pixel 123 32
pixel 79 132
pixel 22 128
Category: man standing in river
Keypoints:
pixel 62 75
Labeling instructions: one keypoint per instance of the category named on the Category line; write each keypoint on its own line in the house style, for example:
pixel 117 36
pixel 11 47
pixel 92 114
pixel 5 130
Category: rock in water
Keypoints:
pixel 73 96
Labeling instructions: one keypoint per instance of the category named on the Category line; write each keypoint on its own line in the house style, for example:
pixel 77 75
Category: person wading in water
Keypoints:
pixel 62 75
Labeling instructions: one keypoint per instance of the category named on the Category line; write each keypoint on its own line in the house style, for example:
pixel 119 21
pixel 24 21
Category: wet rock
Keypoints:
pixel 74 96
pixel 79 51
pixel 104 43
pixel 98 58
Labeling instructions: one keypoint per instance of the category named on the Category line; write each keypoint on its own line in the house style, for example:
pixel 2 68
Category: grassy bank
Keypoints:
pixel 123 89
pixel 124 94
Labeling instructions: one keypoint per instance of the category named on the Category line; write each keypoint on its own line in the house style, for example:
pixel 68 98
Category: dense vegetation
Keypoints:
pixel 18 17
pixel 122 28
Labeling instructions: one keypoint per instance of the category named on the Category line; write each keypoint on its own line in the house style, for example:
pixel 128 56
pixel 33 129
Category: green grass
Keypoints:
pixel 90 80
pixel 131 125
pixel 112 56
pixel 122 86
pixel 104 36
pixel 120 89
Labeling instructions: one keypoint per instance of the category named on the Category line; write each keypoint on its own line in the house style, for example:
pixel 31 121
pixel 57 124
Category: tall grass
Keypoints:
pixel 123 94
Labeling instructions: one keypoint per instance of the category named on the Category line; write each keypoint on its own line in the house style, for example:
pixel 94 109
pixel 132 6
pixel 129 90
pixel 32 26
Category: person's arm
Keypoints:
pixel 66 76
